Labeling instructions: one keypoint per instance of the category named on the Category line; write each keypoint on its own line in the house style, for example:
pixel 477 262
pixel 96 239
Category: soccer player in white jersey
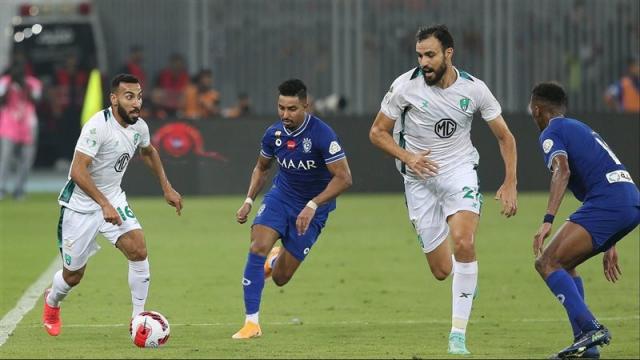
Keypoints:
pixel 92 201
pixel 429 109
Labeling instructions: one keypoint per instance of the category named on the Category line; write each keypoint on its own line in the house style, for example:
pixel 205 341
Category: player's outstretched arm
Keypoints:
pixel 559 181
pixel 380 136
pixel 151 158
pixel 258 179
pixel 340 181
pixel 507 193
pixel 81 176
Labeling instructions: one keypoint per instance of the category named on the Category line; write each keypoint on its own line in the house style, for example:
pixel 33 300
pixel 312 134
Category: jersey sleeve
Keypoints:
pixel 267 144
pixel 552 146
pixel 145 137
pixel 488 106
pixel 329 145
pixel 91 138
pixel 393 102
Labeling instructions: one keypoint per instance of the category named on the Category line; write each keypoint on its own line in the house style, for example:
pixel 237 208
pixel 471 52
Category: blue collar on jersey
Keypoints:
pixel 300 129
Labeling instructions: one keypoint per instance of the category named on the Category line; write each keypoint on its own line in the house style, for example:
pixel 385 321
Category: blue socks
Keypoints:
pixel 576 329
pixel 253 282
pixel 565 289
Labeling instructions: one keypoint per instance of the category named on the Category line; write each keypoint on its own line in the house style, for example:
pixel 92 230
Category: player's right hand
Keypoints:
pixel 538 238
pixel 610 263
pixel 422 165
pixel 110 215
pixel 243 212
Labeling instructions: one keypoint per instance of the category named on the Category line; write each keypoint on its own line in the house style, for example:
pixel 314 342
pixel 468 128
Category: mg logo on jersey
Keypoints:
pixel 445 128
pixel 122 162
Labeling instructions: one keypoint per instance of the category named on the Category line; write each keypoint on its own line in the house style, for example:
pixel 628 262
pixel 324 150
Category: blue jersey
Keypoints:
pixel 302 156
pixel 597 176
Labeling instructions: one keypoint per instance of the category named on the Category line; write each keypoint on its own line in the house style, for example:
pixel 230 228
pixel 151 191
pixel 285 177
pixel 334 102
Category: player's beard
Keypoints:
pixel 125 117
pixel 438 74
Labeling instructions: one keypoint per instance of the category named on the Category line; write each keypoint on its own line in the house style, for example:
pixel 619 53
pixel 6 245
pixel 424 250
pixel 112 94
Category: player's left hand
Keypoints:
pixel 538 238
pixel 174 199
pixel 304 219
pixel 508 195
pixel 610 263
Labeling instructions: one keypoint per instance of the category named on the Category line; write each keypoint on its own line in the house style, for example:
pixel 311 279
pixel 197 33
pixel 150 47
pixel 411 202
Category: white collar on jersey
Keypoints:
pixel 300 129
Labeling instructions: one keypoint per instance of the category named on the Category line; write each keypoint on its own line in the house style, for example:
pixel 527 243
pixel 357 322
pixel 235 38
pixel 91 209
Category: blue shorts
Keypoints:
pixel 606 225
pixel 280 215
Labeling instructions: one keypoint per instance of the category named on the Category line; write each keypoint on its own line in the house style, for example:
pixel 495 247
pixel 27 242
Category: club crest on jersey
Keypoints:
pixel 122 162
pixel 291 144
pixel 306 145
pixel 445 128
pixel 464 104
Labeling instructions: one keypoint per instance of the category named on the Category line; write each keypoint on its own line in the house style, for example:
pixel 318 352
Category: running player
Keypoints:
pixel 580 160
pixel 313 171
pixel 92 201
pixel 430 109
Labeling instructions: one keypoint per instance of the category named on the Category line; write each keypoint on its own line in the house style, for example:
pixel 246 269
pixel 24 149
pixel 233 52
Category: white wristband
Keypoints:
pixel 312 205
pixel 249 201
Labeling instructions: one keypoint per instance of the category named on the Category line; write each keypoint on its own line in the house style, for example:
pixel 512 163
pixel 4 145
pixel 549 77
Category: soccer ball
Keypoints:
pixel 149 329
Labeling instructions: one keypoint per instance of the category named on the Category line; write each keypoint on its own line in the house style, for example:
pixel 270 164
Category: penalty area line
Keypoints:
pixel 27 301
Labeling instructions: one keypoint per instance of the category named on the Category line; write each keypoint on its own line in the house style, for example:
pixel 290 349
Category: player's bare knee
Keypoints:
pixel 464 249
pixel 545 265
pixel 440 273
pixel 138 254
pixel 72 278
pixel 281 279
pixel 258 248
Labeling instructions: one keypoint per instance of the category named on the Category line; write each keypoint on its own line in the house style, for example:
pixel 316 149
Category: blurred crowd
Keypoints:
pixel 43 117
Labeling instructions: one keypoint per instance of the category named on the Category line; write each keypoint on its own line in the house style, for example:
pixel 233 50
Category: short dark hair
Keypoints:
pixel 551 93
pixel 440 32
pixel 293 87
pixel 123 78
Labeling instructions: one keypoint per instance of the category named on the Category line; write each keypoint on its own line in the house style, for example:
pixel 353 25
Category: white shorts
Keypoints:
pixel 77 232
pixel 431 201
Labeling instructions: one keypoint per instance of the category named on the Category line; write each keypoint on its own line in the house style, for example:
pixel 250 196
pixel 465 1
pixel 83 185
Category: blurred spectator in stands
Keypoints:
pixel 168 94
pixel 134 63
pixel 624 94
pixel 70 86
pixel 201 99
pixel 241 108
pixel 330 105
pixel 19 93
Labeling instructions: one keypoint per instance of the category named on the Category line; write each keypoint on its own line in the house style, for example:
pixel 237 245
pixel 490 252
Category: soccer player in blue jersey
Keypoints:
pixel 580 159
pixel 313 171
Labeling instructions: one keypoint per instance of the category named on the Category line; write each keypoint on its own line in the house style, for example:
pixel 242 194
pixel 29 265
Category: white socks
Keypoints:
pixel 465 280
pixel 139 284
pixel 59 290
pixel 254 318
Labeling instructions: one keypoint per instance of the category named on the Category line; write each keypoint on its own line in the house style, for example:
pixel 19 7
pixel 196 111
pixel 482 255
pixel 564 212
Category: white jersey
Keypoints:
pixel 111 146
pixel 429 117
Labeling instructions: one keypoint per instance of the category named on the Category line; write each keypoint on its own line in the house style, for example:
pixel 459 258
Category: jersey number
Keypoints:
pixel 606 147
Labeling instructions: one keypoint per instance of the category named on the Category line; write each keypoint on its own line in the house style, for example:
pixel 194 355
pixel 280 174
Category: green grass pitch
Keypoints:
pixel 365 290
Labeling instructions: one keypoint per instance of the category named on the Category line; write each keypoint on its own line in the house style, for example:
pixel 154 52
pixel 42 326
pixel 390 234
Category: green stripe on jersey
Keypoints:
pixel 60 227
pixel 465 75
pixel 68 191
pixel 401 141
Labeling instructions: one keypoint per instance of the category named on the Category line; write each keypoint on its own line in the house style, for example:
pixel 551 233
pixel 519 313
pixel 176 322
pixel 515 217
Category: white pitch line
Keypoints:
pixel 27 301
pixel 334 323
